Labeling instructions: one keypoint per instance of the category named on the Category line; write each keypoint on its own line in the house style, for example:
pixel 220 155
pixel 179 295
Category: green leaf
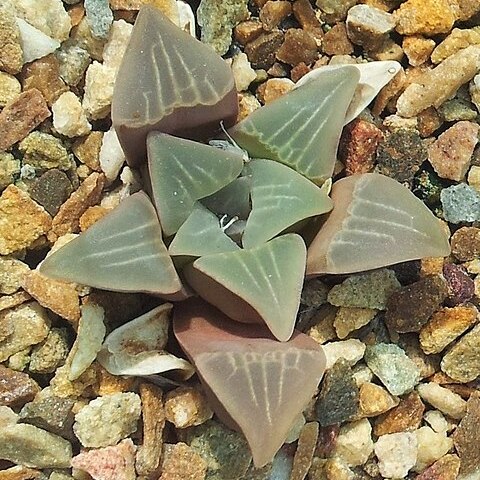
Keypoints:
pixel 281 197
pixel 123 252
pixel 182 172
pixel 302 128
pixel 262 283
pixel 201 235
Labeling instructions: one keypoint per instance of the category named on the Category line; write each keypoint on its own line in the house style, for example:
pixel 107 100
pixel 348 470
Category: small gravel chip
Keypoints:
pixel 465 243
pixel 351 350
pixel 179 461
pixel 392 366
pixel 108 419
pixel 431 447
pixel 16 388
pixel 460 285
pixel 307 442
pixel 461 203
pixel 443 399
pixel 375 400
pixel 69 118
pixel 11 274
pixel 446 467
pixel 354 443
pixel 10 88
pixel 396 453
pixel 51 353
pixel 99 17
pixel 51 190
pixel 186 407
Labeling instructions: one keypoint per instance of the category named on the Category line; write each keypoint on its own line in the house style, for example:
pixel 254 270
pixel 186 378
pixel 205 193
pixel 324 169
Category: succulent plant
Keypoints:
pixel 225 219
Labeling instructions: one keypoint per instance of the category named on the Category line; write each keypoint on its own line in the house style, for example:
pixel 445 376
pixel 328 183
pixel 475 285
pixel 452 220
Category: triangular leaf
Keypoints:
pixel 262 283
pixel 170 82
pixel 182 172
pixel 375 222
pixel 201 235
pixel 302 128
pixel 280 198
pixel 122 252
pixel 261 384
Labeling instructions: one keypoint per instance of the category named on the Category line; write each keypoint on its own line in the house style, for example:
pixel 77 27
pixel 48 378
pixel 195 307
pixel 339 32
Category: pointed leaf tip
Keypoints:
pixel 254 382
pixel 170 82
pixel 122 252
pixel 375 222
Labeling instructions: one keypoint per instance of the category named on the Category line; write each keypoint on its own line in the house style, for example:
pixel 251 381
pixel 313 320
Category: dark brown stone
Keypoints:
pixel 16 388
pixel 465 243
pixel 298 71
pixel 247 31
pixel 261 51
pixel 298 46
pixel 305 16
pixel 273 13
pixel 51 190
pixel 336 41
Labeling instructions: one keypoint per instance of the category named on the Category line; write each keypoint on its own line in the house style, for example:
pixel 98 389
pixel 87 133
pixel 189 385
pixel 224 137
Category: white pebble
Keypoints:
pixel 354 443
pixel 443 399
pixel 243 73
pixel 351 350
pixel 35 44
pixel 431 447
pixel 69 117
pixel 396 453
pixel 111 155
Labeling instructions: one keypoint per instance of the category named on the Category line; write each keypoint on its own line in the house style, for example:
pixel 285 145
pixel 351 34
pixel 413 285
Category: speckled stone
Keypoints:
pixel 392 366
pixel 306 17
pixel 462 361
pixel 338 400
pixel 461 203
pixel 365 290
pixel 43 151
pixel 396 453
pixel 443 399
pixel 10 88
pixel 186 407
pixel 217 20
pixel 467 438
pixel 335 10
pixel 455 41
pixel 409 308
pixel 417 49
pixel 457 109
pixel 261 51
pixel 99 17
pixel 51 190
pixel 349 319
pixel 16 388
pixel 375 400
pixel 307 442
pixel 179 461
pixel 446 468
pixel 460 286
pixel 9 169
pixel 11 54
pixel 400 155
pixel 298 46
pixel 226 452
pixel 354 443
pixel 11 274
pixel 351 351
pixel 465 243
pixel 47 356
pixel 247 31
pixel 273 12
pixel 336 41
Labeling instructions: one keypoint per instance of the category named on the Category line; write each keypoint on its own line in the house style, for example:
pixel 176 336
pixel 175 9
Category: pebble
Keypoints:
pixel 437 421
pixel 474 90
pixel 69 118
pixel 306 17
pixel 335 10
pixel 11 54
pixel 473 178
pixel 116 44
pixel 261 51
pixel 50 413
pixel 354 443
pixel 440 84
pixel 33 447
pixel 450 155
pixel 11 301
pixel 217 21
pixel 274 88
pixel 44 151
pixel 180 461
pixel 445 326
pixel 368 26
pixel 27 324
pixel 467 438
pixel 92 216
pixel 461 203
pixel 49 16
pixel 35 44
pixel 400 155
pixel 19 472
pixel 44 75
pixel 111 156
pixel 462 361
pixel 87 149
pixel 460 285
pixel 16 388
pixel 338 400
pixel 21 116
pixel 11 274
pixel 336 41
pixel 247 31
pixel 465 243
pixel 63 387
pixel 365 290
pixel 226 452
pixel 409 308
pixel 431 447
pixel 9 169
pixel 73 62
pixel 446 468
pixel 375 400
pixel 243 72
pixel 298 46
pixel 99 82
pixel 396 453
pixel 82 36
pixel 426 364
pixel 442 399
pixel 109 463
pixel 99 17
pixel 349 319
pixel 351 351
pixel 51 190
pixel 87 195
pixel 392 366
pixel 51 353
pixel 107 420
pixel 417 49
pixel 10 88
pixel 273 13
pixel 304 453
pixel 454 42
pixel 406 416
pixel 186 407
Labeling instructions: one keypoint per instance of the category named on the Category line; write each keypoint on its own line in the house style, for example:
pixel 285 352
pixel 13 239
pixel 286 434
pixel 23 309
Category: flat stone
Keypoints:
pixel 298 46
pixel 307 442
pixel 60 297
pixel 10 88
pixel 396 453
pixel 43 151
pixel 436 86
pixel 442 399
pixel 217 21
pixel 410 307
pixel 51 190
pixel 374 400
pixel 186 407
pixel 35 44
pixel 108 419
pixel 436 419
pixel 351 351
pixel 50 413
pixel 109 463
pixel 446 468
pixel 51 353
pixel 445 326
pixel 338 400
pixel 11 274
pixel 27 324
pixel 461 203
pixel 9 169
pixel 365 290
pixel 465 243
pixel 69 118
pixel 417 49
pixel 273 13
pixel 462 361
pixel 180 461
pixel 431 447
pixel 261 51
pixel 87 195
pixel 16 388
pixel 33 447
pixel 451 153
pixel 247 31
pixel 21 116
pixel 457 109
pixel 19 472
pixel 11 54
pixel 225 452
pixel 354 443
pixel 394 369
pixel 467 438
pixel 336 41
pixel 12 301
pixel 349 319
pixel 111 155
